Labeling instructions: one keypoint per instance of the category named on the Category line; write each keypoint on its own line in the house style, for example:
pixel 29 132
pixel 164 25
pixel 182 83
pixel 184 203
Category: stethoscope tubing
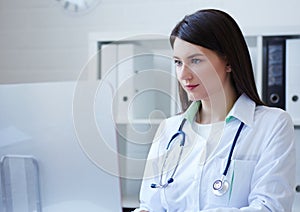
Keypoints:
pixel 179 132
pixel 232 148
pixel 171 179
pixel 217 191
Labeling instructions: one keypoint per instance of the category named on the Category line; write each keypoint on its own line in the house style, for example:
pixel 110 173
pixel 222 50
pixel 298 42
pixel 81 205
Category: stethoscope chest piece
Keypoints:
pixel 220 187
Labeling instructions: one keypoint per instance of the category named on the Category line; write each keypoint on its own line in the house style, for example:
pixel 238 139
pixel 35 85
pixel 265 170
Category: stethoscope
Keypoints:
pixel 220 186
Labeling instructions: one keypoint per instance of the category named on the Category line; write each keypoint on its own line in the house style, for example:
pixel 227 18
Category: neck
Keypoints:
pixel 216 107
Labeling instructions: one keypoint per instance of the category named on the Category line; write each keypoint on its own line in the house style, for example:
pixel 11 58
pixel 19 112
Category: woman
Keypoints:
pixel 237 154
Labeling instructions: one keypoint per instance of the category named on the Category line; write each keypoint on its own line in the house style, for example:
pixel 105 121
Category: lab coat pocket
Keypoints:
pixel 213 173
pixel 241 176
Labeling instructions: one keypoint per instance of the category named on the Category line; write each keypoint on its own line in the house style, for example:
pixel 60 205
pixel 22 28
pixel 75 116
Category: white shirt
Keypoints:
pixel 261 172
pixel 211 133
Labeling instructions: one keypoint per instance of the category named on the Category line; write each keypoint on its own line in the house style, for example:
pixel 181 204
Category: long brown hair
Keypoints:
pixel 216 30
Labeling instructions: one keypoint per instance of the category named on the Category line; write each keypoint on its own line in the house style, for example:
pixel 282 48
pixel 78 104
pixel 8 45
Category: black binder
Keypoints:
pixel 274 71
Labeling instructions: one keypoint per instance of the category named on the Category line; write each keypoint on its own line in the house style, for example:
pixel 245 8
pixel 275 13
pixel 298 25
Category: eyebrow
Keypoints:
pixel 191 56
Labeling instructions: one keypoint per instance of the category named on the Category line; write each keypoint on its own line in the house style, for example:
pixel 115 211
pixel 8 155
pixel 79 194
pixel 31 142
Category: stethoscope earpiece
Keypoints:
pixel 154 185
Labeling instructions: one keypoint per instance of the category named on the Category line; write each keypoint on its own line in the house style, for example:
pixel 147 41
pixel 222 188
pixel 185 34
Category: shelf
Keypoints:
pixel 141 121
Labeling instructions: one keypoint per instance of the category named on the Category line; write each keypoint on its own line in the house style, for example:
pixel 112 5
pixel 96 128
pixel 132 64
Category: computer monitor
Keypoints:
pixel 58 147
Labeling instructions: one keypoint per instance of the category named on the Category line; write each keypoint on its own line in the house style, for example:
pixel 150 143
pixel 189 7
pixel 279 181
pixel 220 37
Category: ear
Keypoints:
pixel 228 68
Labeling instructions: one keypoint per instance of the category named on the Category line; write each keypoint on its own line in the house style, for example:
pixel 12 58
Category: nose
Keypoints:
pixel 184 73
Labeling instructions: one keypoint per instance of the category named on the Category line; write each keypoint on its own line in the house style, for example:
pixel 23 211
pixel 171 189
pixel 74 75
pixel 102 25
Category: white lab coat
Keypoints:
pixel 261 173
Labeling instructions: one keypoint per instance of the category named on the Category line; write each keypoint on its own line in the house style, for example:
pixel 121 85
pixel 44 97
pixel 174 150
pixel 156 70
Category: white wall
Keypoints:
pixel 39 42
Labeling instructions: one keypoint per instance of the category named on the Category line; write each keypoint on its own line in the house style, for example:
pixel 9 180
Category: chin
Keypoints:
pixel 196 97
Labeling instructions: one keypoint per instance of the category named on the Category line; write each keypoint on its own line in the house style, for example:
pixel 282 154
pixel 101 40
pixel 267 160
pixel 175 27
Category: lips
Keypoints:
pixel 191 87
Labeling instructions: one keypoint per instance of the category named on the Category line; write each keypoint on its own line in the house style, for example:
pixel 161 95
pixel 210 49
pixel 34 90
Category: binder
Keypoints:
pixel 292 79
pixel 274 71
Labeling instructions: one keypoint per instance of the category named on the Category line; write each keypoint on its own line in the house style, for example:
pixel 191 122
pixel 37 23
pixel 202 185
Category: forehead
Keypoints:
pixel 183 49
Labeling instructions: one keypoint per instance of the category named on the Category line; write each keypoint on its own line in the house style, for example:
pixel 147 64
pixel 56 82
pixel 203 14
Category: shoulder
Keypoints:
pixel 272 118
pixel 272 129
pixel 168 127
pixel 271 114
pixel 171 123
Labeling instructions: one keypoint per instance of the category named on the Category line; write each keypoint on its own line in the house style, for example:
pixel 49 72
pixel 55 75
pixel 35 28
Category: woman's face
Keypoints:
pixel 201 72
